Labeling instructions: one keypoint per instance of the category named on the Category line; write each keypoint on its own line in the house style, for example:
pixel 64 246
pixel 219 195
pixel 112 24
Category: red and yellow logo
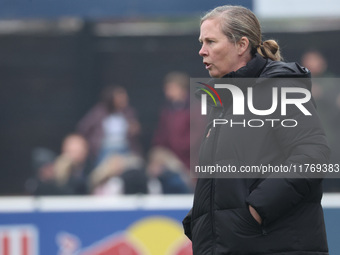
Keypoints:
pixel 149 236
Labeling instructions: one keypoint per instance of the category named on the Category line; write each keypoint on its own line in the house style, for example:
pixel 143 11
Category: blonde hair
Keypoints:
pixel 238 21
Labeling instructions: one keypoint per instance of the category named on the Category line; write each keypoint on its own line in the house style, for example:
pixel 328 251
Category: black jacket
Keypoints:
pixel 293 224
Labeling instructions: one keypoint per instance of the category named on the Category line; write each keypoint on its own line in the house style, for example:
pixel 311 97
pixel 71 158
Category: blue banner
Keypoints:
pixel 147 227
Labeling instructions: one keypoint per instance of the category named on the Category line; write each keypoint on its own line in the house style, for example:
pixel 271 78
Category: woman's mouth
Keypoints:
pixel 207 65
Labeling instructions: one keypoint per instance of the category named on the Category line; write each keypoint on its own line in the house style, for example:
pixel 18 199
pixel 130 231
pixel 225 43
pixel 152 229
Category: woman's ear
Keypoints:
pixel 242 45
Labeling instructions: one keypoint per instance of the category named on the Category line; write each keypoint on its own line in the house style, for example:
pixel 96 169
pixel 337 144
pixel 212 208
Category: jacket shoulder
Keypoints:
pixel 277 69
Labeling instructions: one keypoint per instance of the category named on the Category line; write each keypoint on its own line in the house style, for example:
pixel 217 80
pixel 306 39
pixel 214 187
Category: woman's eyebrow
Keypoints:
pixel 205 39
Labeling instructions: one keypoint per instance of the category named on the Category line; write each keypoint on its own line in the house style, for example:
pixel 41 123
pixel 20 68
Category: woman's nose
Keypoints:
pixel 203 51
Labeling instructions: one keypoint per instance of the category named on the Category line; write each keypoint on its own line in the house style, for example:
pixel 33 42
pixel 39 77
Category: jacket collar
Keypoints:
pixel 253 68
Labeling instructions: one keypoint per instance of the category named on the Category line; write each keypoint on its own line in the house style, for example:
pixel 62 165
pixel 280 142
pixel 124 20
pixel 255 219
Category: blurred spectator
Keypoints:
pixel 119 174
pixel 111 126
pixel 167 173
pixel 42 157
pixel 67 174
pixel 70 166
pixel 125 174
pixel 317 65
pixel 326 93
pixel 42 161
pixel 173 130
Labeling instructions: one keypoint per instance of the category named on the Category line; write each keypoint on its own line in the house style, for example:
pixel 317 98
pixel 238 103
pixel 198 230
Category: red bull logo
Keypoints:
pixel 18 240
pixel 149 236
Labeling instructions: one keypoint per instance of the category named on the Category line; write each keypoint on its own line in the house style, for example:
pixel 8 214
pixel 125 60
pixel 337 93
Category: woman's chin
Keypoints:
pixel 214 75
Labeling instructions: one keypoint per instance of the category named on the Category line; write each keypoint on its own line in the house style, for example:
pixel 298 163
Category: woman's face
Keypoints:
pixel 174 92
pixel 219 54
pixel 120 100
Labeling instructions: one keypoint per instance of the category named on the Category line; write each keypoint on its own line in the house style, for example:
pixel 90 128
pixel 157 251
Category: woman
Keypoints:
pixel 256 216
pixel 173 131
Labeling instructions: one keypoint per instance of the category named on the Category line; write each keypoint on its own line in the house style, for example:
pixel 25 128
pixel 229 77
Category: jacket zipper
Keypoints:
pixel 212 192
pixel 212 214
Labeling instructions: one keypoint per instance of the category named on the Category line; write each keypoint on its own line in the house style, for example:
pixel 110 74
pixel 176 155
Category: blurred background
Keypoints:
pixel 90 94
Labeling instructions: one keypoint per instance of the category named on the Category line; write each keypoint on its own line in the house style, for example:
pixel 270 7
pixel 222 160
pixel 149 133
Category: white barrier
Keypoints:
pixel 106 203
